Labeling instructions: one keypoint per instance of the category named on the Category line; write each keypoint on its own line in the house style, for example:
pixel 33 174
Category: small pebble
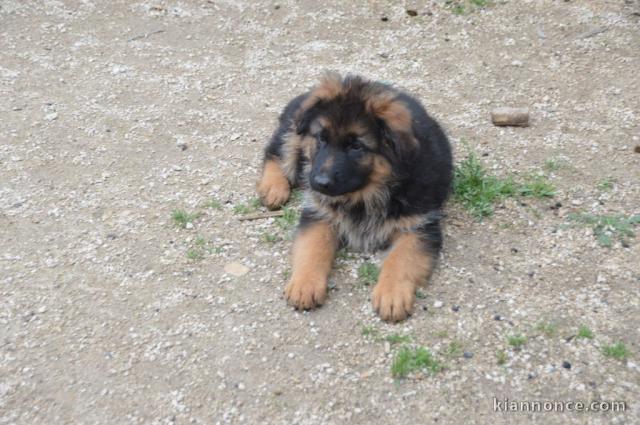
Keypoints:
pixel 497 317
pixel 505 116
pixel 455 308
pixel 467 354
pixel 566 365
pixel 236 269
pixel 438 304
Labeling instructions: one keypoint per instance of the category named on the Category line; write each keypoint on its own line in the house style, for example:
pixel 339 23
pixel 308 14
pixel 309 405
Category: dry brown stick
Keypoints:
pixel 258 216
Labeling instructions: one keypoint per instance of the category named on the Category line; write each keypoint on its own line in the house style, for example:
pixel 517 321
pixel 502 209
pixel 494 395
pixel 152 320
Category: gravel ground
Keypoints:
pixel 114 114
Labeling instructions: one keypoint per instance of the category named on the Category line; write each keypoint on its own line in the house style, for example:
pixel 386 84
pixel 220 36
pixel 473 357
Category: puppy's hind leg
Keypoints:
pixel 407 266
pixel 313 252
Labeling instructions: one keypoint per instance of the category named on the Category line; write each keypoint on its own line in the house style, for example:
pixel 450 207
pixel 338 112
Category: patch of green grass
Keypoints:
pixel 296 196
pixel 585 332
pixel 420 294
pixel 343 254
pixel 252 206
pixel 442 334
pixel 397 339
pixel 453 350
pixel 201 246
pixel 537 214
pixel 289 218
pixel 477 190
pixel 618 351
pixel 606 185
pixel 516 341
pixel 269 238
pixel 213 204
pixel 537 187
pixel 460 7
pixel 370 331
pixel 408 360
pixel 501 357
pixel 194 254
pixel 368 273
pixel 552 164
pixel 181 218
pixel 549 329
pixel 608 228
pixel 214 249
pixel 241 209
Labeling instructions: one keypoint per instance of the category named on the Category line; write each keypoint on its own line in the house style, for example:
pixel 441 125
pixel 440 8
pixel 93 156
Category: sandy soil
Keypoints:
pixel 114 114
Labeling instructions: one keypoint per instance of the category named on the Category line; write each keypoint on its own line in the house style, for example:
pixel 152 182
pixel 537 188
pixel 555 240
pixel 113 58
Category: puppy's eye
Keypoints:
pixel 321 139
pixel 355 145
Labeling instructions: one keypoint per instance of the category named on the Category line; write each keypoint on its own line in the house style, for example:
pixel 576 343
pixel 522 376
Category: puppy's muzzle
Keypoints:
pixel 322 183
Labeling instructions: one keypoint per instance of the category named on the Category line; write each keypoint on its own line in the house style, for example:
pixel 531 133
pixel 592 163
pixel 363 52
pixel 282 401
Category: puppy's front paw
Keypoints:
pixel 305 294
pixel 393 301
pixel 274 188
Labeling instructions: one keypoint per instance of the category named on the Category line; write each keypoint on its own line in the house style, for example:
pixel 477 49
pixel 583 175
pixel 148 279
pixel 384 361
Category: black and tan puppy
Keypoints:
pixel 376 170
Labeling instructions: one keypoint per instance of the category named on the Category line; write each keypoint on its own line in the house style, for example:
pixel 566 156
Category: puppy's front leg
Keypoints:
pixel 313 252
pixel 274 188
pixel 407 266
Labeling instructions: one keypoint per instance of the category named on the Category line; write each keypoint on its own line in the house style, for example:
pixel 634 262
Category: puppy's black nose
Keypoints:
pixel 321 181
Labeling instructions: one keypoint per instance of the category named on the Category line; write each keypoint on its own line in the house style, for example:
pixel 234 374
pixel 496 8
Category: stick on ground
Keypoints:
pixel 258 216
pixel 138 37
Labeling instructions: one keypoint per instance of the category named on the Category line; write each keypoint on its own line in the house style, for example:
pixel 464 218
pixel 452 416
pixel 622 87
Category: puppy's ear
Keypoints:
pixel 395 120
pixel 329 87
pixel 401 143
pixel 305 116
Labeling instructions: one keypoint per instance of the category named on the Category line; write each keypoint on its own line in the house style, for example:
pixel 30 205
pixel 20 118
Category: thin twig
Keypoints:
pixel 147 35
pixel 593 33
pixel 258 216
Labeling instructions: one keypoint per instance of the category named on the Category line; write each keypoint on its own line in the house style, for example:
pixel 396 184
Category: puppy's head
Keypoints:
pixel 353 134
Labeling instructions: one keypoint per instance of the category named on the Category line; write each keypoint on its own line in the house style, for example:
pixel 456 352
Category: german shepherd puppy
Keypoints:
pixel 376 170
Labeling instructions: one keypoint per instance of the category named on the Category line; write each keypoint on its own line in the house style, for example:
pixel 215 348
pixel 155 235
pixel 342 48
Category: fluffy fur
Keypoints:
pixel 376 170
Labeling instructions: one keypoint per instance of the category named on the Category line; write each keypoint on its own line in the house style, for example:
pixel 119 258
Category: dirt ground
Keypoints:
pixel 115 114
